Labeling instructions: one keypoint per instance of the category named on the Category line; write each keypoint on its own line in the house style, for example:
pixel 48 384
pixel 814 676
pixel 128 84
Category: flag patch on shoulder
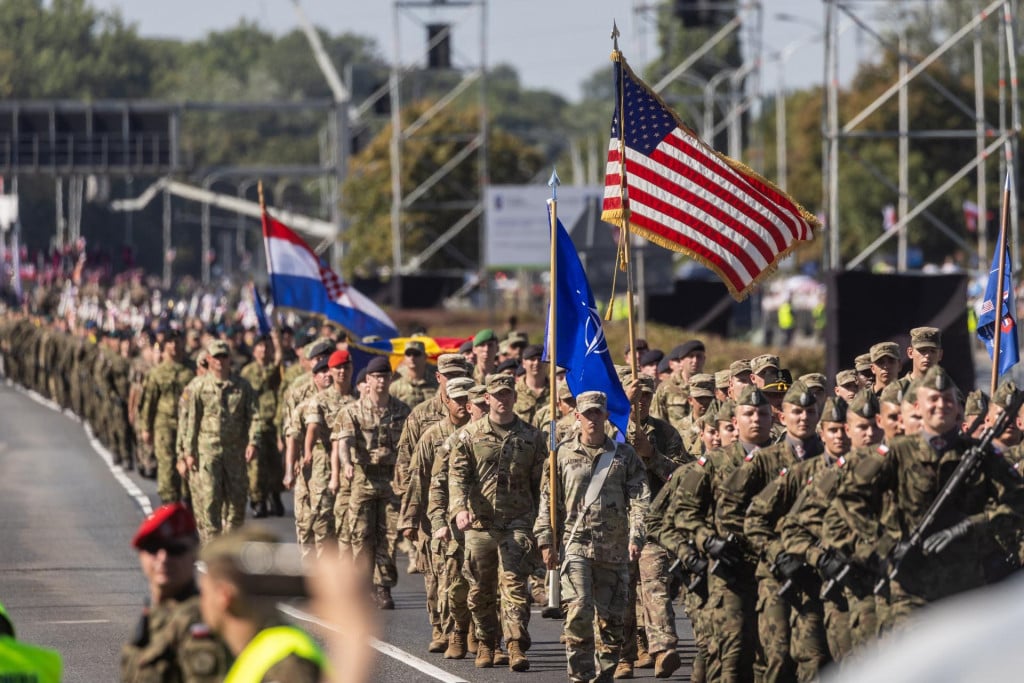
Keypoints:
pixel 882 449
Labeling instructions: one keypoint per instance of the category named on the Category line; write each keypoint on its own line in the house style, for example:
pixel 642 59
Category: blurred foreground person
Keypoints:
pixel 23 662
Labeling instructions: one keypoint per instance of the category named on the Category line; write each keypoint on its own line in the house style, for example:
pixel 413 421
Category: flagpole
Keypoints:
pixel 997 331
pixel 554 581
pixel 625 234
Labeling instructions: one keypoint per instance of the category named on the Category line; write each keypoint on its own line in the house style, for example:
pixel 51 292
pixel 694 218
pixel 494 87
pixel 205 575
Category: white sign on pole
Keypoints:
pixel 516 228
pixel 8 211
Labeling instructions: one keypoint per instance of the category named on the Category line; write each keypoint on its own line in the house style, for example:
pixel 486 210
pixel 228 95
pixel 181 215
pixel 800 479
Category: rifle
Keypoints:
pixel 697 583
pixel 965 469
pixel 719 568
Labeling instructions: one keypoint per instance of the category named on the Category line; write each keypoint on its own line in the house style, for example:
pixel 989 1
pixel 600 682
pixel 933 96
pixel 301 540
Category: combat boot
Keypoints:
pixel 456 645
pixel 517 660
pixel 276 505
pixel 438 643
pixel 665 663
pixel 484 655
pixel 643 657
pixel 500 658
pixel 383 599
pixel 471 640
pixel 623 670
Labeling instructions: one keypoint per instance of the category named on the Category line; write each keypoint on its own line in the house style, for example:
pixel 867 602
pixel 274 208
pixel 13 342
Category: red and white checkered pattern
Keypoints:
pixel 336 287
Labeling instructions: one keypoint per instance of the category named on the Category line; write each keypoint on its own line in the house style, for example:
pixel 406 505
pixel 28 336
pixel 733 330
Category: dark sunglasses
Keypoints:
pixel 172 549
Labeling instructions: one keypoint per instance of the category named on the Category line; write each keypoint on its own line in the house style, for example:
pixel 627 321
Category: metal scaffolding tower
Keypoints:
pixel 991 137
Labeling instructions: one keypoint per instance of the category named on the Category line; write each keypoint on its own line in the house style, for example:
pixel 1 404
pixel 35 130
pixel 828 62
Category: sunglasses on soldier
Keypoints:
pixel 172 548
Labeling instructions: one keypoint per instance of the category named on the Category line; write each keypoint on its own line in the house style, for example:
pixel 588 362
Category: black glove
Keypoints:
pixel 723 550
pixel 788 564
pixel 938 541
pixel 831 564
pixel 695 564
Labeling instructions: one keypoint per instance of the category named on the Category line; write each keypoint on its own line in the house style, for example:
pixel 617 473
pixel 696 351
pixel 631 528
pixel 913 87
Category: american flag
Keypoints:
pixel 687 197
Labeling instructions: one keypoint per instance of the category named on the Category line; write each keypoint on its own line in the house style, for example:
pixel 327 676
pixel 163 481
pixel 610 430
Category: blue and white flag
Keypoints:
pixel 580 346
pixel 300 280
pixel 1009 351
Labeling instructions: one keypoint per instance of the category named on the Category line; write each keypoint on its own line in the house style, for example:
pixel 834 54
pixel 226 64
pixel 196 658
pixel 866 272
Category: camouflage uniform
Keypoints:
pixel 314 501
pixel 413 392
pixel 527 403
pixel 266 471
pixel 495 474
pixel 222 421
pixel 144 457
pixel 172 643
pixel 595 543
pixel 374 434
pixel 164 384
pixel 672 401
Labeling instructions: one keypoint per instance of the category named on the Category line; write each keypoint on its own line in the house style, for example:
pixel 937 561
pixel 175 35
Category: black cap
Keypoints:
pixel 508 364
pixel 321 365
pixel 686 348
pixel 533 351
pixel 466 346
pixel 361 377
pixel 652 357
pixel 640 345
pixel 378 364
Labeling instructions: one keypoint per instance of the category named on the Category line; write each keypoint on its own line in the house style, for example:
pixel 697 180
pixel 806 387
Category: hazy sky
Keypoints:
pixel 553 44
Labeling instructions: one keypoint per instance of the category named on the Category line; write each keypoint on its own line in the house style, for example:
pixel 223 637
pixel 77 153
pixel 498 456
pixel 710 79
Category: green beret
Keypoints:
pixel 483 336
pixel 937 379
pixel 799 395
pixel 752 396
pixel 834 410
pixel 864 404
pixel 977 403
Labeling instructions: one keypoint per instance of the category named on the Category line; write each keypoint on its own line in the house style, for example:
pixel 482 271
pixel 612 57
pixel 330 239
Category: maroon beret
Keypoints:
pixel 167 523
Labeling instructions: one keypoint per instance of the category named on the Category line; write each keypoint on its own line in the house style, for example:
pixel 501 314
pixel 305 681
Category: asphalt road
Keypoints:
pixel 71 581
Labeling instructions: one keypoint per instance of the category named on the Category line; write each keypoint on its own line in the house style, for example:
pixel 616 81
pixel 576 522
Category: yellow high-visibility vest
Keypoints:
pixel 269 647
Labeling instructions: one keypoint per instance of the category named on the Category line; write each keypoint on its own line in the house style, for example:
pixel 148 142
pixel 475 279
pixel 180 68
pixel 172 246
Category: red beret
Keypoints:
pixel 167 523
pixel 338 358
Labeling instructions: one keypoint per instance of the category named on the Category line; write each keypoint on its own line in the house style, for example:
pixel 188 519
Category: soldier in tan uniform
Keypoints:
pixel 485 349
pixel 885 365
pixel 266 471
pixel 532 389
pixel 670 400
pixel 415 384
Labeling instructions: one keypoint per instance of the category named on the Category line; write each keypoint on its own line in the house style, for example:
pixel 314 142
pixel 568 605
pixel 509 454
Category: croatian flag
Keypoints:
pixel 303 282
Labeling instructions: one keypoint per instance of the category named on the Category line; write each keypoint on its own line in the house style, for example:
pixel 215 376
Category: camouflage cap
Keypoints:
pixel 722 379
pixel 218 347
pixel 862 363
pixel 320 347
pixel 499 382
pixel 926 338
pixel 864 404
pixel 564 392
pixel 415 346
pixel 976 403
pixel 814 380
pixel 702 385
pixel 478 393
pixel 799 395
pixel 759 364
pixel 517 338
pixel 503 347
pixel 645 382
pixel 892 393
pixel 752 396
pixel 938 379
pixel 459 387
pixel 739 367
pixel 588 400
pixel 844 377
pixel 1005 392
pixel 883 349
pixel 834 410
pixel 725 411
pixel 625 374
pixel 452 364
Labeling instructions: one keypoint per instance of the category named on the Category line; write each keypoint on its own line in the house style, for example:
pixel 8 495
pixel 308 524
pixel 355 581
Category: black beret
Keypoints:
pixel 686 348
pixel 652 357
pixel 378 364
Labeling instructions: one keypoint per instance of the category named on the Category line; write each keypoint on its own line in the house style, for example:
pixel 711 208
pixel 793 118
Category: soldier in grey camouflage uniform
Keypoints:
pixel 600 535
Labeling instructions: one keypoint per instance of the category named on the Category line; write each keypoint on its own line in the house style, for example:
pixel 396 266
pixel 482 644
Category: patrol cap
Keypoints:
pixel 814 380
pixel 702 385
pixel 926 338
pixel 834 410
pixel 883 349
pixel 533 351
pixel 686 348
pixel 862 363
pixel 759 364
pixel 799 395
pixel 645 381
pixel 844 377
pixel 415 347
pixel 937 379
pixel 507 365
pixel 752 396
pixel 739 367
pixel 320 347
pixel 892 393
pixel 725 411
pixel 484 336
pixel 321 365
pixel 338 358
pixel 591 399
pixel 652 357
pixel 459 387
pixel 218 347
pixel 378 365
pixel 722 379
pixel 499 382
pixel 452 364
pixel 517 338
pixel 1004 394
pixel 168 523
pixel 864 403
pixel 976 403
pixel 503 347
pixel 564 392
pixel 249 549
pixel 477 393
pixel 466 346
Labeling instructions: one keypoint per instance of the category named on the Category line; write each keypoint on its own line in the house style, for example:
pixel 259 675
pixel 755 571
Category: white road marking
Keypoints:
pixel 380 646
pixel 79 621
pixel 141 499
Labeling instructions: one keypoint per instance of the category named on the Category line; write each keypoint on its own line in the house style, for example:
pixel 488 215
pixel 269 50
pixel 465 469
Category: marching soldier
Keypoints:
pixel 532 391
pixel 415 385
pixel 670 400
pixel 164 384
pixel 266 471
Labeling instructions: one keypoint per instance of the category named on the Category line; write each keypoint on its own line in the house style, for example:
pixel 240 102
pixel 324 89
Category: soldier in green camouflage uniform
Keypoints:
pixel 412 519
pixel 140 367
pixel 494 480
pixel 266 471
pixel 532 391
pixel 368 434
pixel 600 535
pixel 164 384
pixel 671 398
pixel 220 438
pixel 885 364
pixel 416 383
